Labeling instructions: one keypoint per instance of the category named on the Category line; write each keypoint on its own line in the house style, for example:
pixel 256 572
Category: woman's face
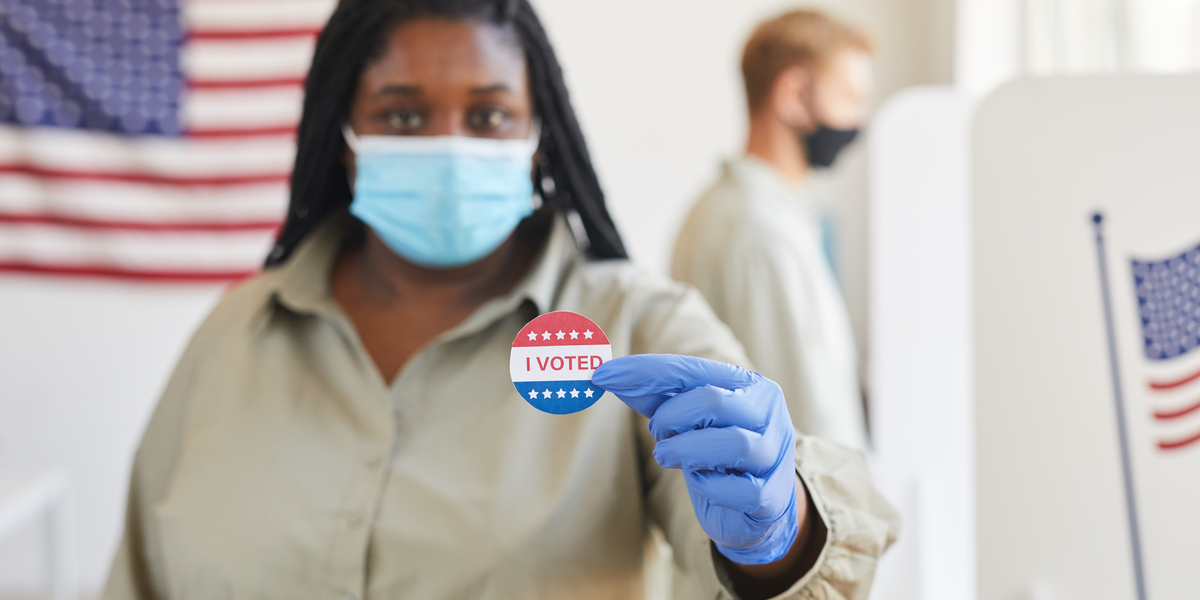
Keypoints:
pixel 442 77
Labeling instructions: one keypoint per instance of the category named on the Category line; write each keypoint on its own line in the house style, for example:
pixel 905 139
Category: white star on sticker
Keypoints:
pixel 588 392
pixel 588 334
pixel 545 335
pixel 532 336
pixel 560 335
pixel 546 394
pixel 574 334
pixel 533 394
pixel 562 394
pixel 574 393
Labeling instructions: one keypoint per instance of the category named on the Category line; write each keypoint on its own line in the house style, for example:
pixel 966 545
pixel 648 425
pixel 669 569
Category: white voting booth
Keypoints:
pixel 1036 369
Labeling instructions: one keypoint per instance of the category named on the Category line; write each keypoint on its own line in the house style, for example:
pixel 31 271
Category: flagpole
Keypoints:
pixel 1135 538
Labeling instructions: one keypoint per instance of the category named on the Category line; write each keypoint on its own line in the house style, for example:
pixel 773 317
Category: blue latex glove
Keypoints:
pixel 729 430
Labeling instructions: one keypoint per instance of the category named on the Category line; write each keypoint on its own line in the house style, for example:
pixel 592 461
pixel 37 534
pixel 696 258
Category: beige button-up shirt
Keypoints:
pixel 752 246
pixel 279 464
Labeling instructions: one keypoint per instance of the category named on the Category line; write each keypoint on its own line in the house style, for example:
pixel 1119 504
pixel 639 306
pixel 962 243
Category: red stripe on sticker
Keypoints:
pixel 560 328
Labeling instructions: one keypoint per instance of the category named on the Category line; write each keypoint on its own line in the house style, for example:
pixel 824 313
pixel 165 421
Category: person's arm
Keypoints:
pixel 753 582
pixel 848 523
pixel 724 502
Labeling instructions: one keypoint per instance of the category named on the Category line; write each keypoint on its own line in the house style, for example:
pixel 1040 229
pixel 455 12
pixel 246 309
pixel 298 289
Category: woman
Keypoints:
pixel 343 425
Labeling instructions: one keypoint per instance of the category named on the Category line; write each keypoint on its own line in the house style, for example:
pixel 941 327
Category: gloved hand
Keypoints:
pixel 729 430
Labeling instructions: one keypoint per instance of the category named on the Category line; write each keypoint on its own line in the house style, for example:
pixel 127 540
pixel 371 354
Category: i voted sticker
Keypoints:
pixel 553 359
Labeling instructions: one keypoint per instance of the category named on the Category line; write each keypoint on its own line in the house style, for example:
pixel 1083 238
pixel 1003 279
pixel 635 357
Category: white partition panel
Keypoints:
pixel 1052 485
pixel 920 371
pixel 1038 424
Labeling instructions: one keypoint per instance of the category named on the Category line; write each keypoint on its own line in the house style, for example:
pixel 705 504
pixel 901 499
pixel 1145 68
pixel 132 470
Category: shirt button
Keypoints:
pixel 347 597
pixel 355 520
pixel 375 461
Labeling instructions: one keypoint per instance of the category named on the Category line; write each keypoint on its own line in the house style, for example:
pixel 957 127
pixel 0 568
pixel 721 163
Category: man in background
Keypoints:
pixel 752 244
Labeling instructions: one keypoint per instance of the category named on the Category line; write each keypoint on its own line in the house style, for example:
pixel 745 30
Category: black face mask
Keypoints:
pixel 823 145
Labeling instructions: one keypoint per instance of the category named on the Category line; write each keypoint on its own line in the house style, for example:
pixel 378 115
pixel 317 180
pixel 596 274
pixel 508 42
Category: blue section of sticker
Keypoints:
pixel 559 397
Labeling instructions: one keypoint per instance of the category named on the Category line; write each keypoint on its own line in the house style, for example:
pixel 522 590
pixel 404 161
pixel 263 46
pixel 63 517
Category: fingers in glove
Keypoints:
pixel 719 449
pixel 711 407
pixel 765 499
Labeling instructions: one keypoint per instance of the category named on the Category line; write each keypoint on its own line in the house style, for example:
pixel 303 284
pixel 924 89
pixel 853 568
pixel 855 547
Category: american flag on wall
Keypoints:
pixel 148 139
pixel 1168 294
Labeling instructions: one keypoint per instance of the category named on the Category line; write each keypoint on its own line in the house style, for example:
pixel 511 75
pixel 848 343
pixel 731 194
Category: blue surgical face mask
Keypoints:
pixel 442 202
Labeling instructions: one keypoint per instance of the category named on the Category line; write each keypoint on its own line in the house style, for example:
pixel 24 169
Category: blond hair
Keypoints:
pixel 796 38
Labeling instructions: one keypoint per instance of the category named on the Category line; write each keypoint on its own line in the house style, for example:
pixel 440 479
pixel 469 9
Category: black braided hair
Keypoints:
pixel 356 34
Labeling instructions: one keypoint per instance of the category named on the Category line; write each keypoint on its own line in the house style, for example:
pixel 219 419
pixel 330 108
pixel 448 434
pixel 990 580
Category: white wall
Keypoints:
pixel 989 45
pixel 658 91
pixel 81 363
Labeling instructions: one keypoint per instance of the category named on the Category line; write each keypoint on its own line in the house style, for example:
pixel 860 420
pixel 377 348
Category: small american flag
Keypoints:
pixel 1168 294
pixel 148 139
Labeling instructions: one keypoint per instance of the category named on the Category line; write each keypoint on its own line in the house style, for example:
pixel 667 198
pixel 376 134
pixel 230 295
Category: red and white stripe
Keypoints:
pixel 1173 398
pixel 202 207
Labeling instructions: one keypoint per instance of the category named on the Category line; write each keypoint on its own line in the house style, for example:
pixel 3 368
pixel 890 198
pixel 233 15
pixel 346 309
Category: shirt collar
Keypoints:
pixel 761 176
pixel 541 284
pixel 539 287
pixel 303 281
